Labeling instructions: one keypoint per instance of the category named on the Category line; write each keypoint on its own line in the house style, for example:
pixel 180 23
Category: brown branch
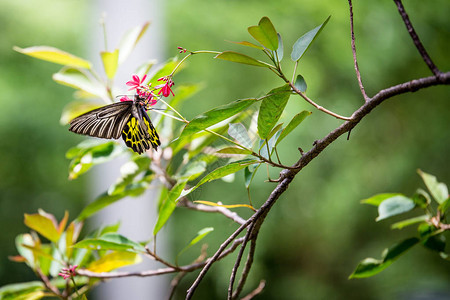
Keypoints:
pixel 416 39
pixel 212 209
pixel 256 291
pixel 161 271
pixel 247 267
pixel 355 61
pixel 323 109
pixel 238 261
pixel 47 283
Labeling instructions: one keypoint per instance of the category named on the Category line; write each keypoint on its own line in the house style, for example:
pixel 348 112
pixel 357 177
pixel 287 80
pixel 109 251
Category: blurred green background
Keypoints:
pixel 318 231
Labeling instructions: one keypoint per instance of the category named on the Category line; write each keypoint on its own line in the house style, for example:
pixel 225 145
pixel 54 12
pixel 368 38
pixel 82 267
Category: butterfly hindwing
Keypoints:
pixel 139 133
pixel 104 122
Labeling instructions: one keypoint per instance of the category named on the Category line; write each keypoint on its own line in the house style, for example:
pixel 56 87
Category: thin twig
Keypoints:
pixel 174 283
pixel 191 290
pixel 256 291
pixel 47 283
pixel 157 258
pixel 212 209
pixel 296 90
pixel 161 271
pixel 416 39
pixel 238 261
pixel 355 61
pixel 247 267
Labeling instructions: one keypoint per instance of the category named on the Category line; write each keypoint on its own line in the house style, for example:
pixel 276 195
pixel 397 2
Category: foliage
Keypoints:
pixel 431 223
pixel 186 162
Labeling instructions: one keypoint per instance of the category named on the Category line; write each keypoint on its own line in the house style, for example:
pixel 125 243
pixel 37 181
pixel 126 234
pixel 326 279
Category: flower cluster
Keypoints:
pixel 148 93
pixel 67 273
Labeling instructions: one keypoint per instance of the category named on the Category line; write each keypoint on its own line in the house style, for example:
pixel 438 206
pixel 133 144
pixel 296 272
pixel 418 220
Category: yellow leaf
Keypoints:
pixel 54 55
pixel 226 206
pixel 63 222
pixel 42 225
pixel 113 261
pixel 110 62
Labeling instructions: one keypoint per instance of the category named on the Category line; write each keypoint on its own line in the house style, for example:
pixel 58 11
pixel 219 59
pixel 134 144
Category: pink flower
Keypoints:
pixel 68 272
pixel 182 50
pixel 136 82
pixel 166 89
pixel 125 98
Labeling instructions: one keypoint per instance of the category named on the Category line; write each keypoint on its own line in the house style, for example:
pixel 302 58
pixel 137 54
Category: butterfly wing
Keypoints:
pixel 104 122
pixel 139 133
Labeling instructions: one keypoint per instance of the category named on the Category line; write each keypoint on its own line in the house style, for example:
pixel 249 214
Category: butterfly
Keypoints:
pixel 128 119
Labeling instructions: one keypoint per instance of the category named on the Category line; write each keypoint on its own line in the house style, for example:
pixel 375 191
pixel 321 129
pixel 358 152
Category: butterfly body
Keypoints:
pixel 127 119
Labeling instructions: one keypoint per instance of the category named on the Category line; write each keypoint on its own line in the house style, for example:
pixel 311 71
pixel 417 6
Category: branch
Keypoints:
pixel 212 209
pixel 247 267
pixel 161 271
pixel 296 90
pixel 416 39
pixel 47 283
pixel 238 261
pixel 256 291
pixel 355 61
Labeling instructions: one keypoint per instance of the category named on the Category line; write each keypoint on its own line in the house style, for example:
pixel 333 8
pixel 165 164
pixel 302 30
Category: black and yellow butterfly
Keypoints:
pixel 127 118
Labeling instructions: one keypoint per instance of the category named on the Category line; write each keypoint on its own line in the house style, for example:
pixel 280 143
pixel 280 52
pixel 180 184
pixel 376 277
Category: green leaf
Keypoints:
pixel 129 171
pixel 113 261
pixel 168 206
pixel 191 170
pixel 145 67
pixel 98 244
pixel 215 116
pixel 21 241
pixel 111 241
pixel 248 44
pixel 241 58
pixel 234 150
pixel 43 226
pixel 54 55
pixel 249 174
pixel 219 173
pixel 164 70
pixel 265 33
pixel 394 206
pixel 200 235
pixel 280 50
pixel 444 206
pixel 431 237
pixel 296 120
pixel 305 41
pixel 120 239
pixel 271 109
pixel 79 79
pixel 438 190
pixel 300 83
pixel 240 134
pixel 130 40
pixel 265 149
pixel 421 198
pixel 408 222
pixel 75 109
pixel 21 291
pixel 377 199
pixel 90 153
pixel 110 62
pixel 104 200
pixel 370 266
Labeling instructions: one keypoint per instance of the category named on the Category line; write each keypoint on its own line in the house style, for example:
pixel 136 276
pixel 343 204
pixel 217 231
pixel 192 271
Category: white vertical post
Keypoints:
pixel 136 215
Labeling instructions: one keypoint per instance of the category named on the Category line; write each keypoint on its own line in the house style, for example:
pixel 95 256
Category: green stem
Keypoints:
pixel 174 110
pixel 75 286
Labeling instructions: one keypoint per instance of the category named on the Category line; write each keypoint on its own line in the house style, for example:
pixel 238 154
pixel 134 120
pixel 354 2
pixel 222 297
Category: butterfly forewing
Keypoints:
pixel 127 118
pixel 104 122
